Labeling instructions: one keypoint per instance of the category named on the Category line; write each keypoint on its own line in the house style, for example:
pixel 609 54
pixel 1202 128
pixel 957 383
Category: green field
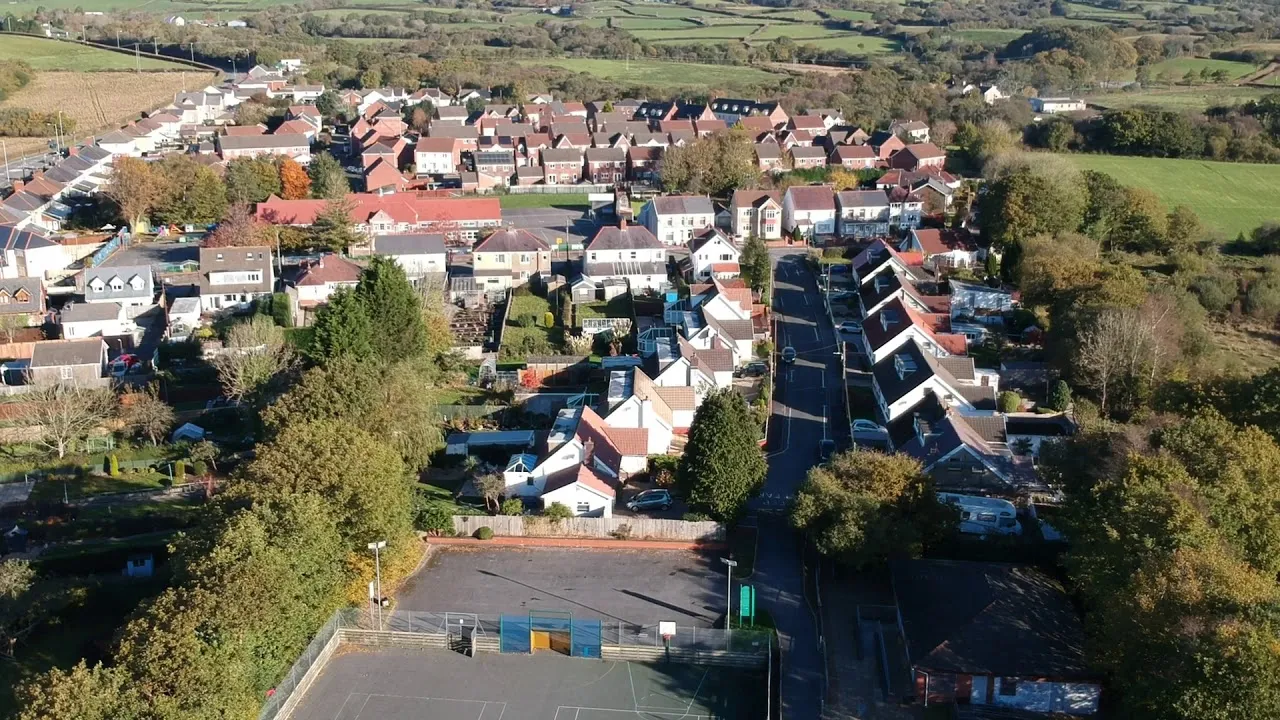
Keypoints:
pixel 659 73
pixel 1229 197
pixel 44 54
pixel 990 36
pixel 684 35
pixel 1180 97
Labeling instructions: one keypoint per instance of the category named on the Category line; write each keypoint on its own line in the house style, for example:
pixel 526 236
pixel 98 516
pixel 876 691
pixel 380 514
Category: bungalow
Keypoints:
pixel 1055 105
pixel 22 304
pixel 102 319
pixel 894 324
pixel 637 412
pixel 460 219
pixel 921 156
pixel 913 130
pixel 944 248
pixel 809 210
pixel 420 254
pixel 128 285
pixel 628 252
pixel 979 303
pixel 756 213
pixel 879 255
pixel 903 378
pixel 676 218
pixel 713 254
pixel 992 634
pixel 232 278
pixel 510 257
pixel 581 474
pixel 70 362
pixel 316 281
pixel 24 253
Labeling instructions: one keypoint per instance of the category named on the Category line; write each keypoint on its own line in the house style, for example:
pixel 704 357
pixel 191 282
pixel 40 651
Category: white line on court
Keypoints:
pixel 634 701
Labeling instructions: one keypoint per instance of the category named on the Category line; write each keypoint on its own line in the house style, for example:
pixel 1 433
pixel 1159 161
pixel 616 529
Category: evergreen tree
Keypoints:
pixel 756 268
pixel 328 179
pixel 394 309
pixel 331 230
pixel 341 329
pixel 722 466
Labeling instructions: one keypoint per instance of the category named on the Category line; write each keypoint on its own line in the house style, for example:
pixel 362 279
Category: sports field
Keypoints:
pixel 395 684
pixel 1229 197
pixel 45 54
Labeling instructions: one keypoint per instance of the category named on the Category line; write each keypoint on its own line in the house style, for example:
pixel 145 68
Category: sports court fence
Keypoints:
pixel 554 631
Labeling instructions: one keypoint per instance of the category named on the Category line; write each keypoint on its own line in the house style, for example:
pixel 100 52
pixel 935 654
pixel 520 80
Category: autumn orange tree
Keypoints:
pixel 136 188
pixel 238 229
pixel 295 184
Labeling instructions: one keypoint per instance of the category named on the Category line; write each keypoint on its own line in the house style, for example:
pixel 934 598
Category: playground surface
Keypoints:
pixel 362 683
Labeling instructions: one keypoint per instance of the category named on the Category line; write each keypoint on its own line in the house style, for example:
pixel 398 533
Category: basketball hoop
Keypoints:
pixel 667 630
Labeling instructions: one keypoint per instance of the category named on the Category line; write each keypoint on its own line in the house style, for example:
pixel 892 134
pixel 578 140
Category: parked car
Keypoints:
pixel 650 500
pixel 850 326
pixel 867 426
pixel 123 364
pixel 839 295
pixel 755 369
pixel 826 449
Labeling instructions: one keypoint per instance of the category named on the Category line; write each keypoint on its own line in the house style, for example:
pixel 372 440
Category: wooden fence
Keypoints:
pixel 630 528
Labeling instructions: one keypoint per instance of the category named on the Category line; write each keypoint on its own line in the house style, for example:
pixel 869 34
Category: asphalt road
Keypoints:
pixel 807 407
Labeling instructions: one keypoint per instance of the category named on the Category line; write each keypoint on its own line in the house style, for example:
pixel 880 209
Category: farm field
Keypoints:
pixel 665 74
pixel 990 36
pixel 854 44
pixel 1179 97
pixel 100 100
pixel 45 54
pixel 1230 198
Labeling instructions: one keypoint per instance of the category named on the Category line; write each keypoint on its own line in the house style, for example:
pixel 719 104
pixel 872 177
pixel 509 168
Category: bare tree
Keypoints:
pixel 10 324
pixel 1104 352
pixel 66 413
pixel 254 354
pixel 146 414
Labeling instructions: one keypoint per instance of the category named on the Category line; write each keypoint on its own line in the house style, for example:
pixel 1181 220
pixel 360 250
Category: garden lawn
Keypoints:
pixel 525 332
pixel 47 54
pixel 543 200
pixel 619 307
pixel 1230 198
pixel 660 73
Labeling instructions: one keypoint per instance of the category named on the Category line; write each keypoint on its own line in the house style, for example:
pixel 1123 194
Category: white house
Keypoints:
pixel 809 209
pixel 1054 105
pixel 435 156
pixel 182 318
pixel 86 320
pixel 975 302
pixel 641 408
pixel 420 254
pixel 28 254
pixel 992 94
pixel 895 324
pixel 944 248
pixel 580 473
pixel 675 219
pixel 128 285
pixel 913 130
pixel 903 379
pixel 232 278
pixel 629 252
pixel 756 212
pixel 317 281
pixel 712 254
pixel 879 255
pixel 863 213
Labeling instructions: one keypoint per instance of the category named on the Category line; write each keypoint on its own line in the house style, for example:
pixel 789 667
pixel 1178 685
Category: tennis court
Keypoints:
pixel 361 683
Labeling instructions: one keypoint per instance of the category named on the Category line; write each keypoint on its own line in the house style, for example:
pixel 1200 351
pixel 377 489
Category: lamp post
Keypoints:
pixel 728 591
pixel 377 568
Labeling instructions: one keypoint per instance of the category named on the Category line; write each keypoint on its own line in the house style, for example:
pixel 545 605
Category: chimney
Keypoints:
pixel 73 151
pixel 18 185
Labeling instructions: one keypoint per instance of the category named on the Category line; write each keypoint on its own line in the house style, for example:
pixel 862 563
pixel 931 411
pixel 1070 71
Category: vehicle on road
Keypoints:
pixel 650 500
pixel 788 354
pixel 826 449
pixel 850 326
pixel 839 295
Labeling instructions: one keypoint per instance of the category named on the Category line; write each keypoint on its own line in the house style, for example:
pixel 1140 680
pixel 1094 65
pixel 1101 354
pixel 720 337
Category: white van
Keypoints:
pixel 984 515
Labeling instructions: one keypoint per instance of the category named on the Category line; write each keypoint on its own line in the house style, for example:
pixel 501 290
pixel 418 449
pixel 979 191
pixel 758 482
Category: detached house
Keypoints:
pixel 674 219
pixel 420 254
pixel 627 252
pixel 863 213
pixel 69 362
pixel 919 157
pixel 713 254
pixel 913 130
pixel 101 319
pixel 903 378
pixel 510 257
pixel 22 302
pixel 562 166
pixel 756 212
pixel 809 210
pixel 435 156
pixel 581 473
pixel 894 324
pixel 944 248
pixel 606 165
pixel 130 286
pixel 853 157
pixel 316 281
pixel 232 278
pixel 804 158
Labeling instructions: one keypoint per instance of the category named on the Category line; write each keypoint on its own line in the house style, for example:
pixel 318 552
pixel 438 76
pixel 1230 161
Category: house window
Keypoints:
pixel 4 298
pixel 524 259
pixel 528 482
pixel 1008 686
pixel 65 372
pixel 502 258
pixel 593 257
pixel 584 507
pixel 117 285
pixel 633 254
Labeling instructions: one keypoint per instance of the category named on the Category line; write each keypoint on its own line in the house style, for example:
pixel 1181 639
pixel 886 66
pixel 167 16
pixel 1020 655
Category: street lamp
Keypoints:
pixel 728 591
pixel 377 566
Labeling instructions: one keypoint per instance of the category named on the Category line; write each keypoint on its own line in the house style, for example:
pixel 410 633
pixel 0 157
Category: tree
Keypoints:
pixel 240 228
pixel 491 487
pixel 11 324
pixel 1184 229
pixel 341 329
pixel 991 265
pixel 255 355
pixel 251 180
pixel 146 414
pixel 196 194
pixel 65 414
pixel 136 188
pixel 722 466
pixel 329 104
pixel 1060 396
pixel 1009 402
pixel 295 184
pixel 97 693
pixel 332 229
pixel 395 310
pixel 328 179
pixel 757 269
pixel 1026 203
pixel 716 164
pixel 840 179
pixel 865 507
pixel 511 506
pixel 205 452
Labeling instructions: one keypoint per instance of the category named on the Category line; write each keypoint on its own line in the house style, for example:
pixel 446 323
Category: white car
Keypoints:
pixel 866 426
pixel 850 326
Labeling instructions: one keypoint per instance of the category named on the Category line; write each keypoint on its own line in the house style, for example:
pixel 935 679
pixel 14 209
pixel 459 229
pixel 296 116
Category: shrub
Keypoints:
pixel 113 465
pixel 1009 402
pixel 433 517
pixel 526 320
pixel 511 506
pixel 484 533
pixel 548 319
pixel 1059 396
pixel 180 472
pixel 557 512
pixel 622 533
pixel 200 468
pixel 695 517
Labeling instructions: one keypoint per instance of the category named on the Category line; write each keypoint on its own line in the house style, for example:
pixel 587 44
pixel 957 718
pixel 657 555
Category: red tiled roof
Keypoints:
pixel 382 174
pixel 726 267
pixel 403 207
pixel 435 144
pixel 329 269
pixel 629 441
pixel 582 474
pixel 937 242
pixel 243 130
pixel 757 123
pixel 300 127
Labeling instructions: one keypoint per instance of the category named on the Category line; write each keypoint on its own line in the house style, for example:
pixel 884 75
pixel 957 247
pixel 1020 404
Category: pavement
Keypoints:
pixel 641 587
pixel 807 407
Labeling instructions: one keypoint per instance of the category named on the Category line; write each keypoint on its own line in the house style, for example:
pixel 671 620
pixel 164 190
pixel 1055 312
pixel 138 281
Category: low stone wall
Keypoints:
pixel 621 528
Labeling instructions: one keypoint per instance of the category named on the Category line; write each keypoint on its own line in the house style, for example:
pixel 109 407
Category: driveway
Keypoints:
pixel 807 408
pixel 635 586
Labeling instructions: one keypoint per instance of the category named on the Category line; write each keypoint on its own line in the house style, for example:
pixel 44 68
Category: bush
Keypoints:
pixel 622 533
pixel 557 512
pixel 1009 402
pixel 180 472
pixel 1059 396
pixel 484 533
pixel 200 468
pixel 695 517
pixel 113 465
pixel 526 320
pixel 548 319
pixel 511 506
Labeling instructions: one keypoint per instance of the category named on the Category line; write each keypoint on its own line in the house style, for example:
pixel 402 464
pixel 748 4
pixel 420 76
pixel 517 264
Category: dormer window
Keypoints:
pixel 97 285
pixel 888 317
pixel 4 297
pixel 905 365
pixel 117 284
pixel 22 296
pixel 136 282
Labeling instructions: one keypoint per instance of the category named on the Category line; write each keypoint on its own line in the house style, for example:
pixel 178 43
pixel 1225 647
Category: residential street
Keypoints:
pixel 806 408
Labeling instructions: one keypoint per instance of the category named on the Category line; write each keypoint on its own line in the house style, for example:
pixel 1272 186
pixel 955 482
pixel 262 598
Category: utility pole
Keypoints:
pixel 137 58
pixel 117 39
pixel 5 148
pixel 728 592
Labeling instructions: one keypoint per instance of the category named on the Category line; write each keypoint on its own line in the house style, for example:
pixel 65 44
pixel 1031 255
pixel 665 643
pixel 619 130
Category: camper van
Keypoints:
pixel 983 515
